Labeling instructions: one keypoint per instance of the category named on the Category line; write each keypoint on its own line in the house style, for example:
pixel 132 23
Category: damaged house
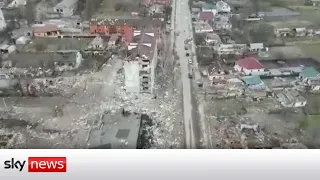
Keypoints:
pixel 202 28
pixel 46 30
pixel 222 22
pixel 223 7
pixel 67 60
pixel 255 87
pixel 142 55
pixel 212 39
pixel 291 98
pixel 311 77
pixel 66 8
pixel 282 32
pixel 96 47
pixel 232 49
pixel 7 81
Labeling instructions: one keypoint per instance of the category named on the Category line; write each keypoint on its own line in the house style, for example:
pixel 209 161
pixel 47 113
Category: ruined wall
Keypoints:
pixel 132 78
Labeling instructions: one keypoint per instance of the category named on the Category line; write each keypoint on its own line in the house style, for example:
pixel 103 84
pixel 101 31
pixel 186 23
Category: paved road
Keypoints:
pixel 190 106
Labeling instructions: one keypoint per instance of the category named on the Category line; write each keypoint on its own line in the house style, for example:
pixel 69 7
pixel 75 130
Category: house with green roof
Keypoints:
pixel 311 77
pixel 252 81
pixel 309 72
pixel 210 7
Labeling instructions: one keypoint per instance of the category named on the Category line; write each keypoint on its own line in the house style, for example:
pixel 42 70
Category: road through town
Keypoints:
pixel 190 108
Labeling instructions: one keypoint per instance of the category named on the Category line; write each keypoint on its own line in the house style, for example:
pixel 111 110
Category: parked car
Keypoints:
pixel 190 61
pixel 187 54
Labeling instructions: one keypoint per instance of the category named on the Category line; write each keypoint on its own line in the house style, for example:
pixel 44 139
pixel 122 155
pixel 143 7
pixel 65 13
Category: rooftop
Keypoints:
pixel 146 42
pixel 206 16
pixel 66 3
pixel 45 28
pixel 309 72
pixel 209 6
pixel 118 132
pixel 289 96
pixel 133 22
pixel 256 45
pixel 252 80
pixel 279 12
pixel 249 63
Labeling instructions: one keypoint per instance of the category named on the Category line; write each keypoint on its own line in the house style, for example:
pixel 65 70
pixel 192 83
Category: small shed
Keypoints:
pixel 256 46
pixel 300 32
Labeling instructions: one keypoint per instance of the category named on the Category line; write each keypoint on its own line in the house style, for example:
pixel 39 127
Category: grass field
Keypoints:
pixel 310 48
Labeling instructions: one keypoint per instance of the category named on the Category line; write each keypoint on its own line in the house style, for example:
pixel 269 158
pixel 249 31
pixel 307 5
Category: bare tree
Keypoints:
pixel 89 9
pixel 91 6
pixel 262 33
pixel 30 12
pixel 256 6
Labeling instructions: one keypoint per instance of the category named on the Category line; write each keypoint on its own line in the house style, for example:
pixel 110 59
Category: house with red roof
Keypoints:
pixel 206 16
pixel 249 66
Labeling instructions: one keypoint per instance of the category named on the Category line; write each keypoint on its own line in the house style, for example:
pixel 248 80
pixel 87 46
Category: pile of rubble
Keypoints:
pixel 233 135
pixel 69 126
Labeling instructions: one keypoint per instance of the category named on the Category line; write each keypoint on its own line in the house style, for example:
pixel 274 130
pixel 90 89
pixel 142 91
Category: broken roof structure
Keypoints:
pixel 45 28
pixel 143 44
pixel 65 56
pixel 116 132
pixel 291 98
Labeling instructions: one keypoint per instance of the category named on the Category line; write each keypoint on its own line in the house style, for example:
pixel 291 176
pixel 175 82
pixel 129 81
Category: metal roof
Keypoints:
pixel 252 80
pixel 309 72
pixel 249 63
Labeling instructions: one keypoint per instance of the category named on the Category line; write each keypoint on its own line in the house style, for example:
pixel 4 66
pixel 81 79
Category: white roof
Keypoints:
pixel 256 46
pixel 4 46
pixel 66 3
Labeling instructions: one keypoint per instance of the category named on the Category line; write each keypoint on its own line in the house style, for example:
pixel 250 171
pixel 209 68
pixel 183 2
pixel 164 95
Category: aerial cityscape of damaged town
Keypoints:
pixel 113 74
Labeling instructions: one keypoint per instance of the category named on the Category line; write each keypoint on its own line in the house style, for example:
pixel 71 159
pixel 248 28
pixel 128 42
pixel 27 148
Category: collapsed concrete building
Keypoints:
pixel 141 61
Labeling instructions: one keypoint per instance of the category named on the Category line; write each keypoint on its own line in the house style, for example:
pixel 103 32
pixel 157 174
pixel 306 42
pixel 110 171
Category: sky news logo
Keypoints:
pixel 38 164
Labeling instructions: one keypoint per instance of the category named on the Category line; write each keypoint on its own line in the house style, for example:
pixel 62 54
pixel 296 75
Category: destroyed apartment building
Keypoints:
pixel 141 61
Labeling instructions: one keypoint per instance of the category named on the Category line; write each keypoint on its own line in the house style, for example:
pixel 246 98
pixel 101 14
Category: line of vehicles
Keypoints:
pixel 187 44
